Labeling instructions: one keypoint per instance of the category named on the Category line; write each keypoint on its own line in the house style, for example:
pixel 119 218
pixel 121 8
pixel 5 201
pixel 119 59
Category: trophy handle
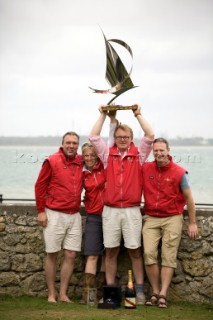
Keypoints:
pixel 119 107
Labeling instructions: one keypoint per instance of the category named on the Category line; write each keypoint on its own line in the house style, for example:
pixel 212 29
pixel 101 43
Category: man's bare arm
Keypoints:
pixel 192 228
pixel 146 127
pixel 96 129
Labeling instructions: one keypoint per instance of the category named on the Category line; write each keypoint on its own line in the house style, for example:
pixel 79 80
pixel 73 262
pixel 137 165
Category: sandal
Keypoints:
pixel 153 300
pixel 162 304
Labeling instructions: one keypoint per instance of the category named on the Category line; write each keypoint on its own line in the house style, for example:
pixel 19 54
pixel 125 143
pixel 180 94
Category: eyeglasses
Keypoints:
pixel 122 138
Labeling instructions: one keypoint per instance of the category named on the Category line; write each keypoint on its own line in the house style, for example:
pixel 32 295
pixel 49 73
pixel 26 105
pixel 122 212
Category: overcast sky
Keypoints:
pixel 51 51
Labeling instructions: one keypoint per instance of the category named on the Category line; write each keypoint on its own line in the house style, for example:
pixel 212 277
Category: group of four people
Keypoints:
pixel 114 176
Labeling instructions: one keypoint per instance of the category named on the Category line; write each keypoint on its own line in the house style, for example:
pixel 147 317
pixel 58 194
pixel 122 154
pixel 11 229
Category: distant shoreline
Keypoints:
pixel 56 141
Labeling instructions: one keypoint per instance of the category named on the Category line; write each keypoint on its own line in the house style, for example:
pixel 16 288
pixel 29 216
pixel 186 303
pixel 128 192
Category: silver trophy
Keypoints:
pixel 116 75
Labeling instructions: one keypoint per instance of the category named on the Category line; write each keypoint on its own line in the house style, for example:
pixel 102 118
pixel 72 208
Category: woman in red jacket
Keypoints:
pixel 94 185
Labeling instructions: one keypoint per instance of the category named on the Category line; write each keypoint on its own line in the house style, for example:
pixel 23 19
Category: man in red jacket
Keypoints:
pixel 58 200
pixel 121 213
pixel 166 191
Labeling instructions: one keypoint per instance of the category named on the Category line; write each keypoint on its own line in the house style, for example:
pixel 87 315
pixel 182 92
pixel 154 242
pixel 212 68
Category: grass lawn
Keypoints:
pixel 34 308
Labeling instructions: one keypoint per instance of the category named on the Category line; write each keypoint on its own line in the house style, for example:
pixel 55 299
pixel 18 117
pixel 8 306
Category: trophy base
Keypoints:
pixel 118 107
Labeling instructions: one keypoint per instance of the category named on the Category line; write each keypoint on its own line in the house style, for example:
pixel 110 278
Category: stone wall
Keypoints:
pixel 22 258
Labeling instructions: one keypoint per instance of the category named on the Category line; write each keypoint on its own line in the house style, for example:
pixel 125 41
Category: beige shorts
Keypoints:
pixel 63 231
pixel 122 221
pixel 168 229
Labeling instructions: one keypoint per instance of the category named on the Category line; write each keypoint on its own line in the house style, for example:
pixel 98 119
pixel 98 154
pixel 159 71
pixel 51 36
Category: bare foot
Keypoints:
pixel 51 300
pixel 64 299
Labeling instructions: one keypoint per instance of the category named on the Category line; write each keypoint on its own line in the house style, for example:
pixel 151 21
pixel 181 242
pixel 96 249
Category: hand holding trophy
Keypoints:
pixel 111 110
pixel 116 75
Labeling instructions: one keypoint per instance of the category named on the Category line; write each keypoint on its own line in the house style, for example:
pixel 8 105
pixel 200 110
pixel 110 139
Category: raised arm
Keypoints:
pixel 146 127
pixel 145 145
pixel 100 145
pixel 113 124
pixel 112 115
pixel 96 129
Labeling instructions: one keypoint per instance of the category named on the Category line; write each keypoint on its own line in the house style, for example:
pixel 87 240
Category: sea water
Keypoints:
pixel 20 167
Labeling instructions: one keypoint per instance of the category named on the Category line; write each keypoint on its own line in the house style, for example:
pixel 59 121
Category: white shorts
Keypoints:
pixel 122 221
pixel 63 231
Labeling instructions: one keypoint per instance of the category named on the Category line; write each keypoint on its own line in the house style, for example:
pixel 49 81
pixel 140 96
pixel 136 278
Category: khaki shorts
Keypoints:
pixel 122 221
pixel 63 231
pixel 169 230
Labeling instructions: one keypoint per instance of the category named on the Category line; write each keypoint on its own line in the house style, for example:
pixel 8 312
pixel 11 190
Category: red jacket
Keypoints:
pixel 59 184
pixel 124 179
pixel 162 193
pixel 94 185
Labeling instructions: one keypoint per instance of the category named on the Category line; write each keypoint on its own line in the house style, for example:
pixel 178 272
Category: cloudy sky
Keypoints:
pixel 51 51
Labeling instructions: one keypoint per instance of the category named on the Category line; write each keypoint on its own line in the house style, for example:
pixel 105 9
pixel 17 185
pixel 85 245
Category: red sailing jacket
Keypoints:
pixel 162 194
pixel 94 185
pixel 124 179
pixel 61 188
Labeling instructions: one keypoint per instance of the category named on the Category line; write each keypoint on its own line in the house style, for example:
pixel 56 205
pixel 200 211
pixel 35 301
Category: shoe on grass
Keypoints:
pixel 140 299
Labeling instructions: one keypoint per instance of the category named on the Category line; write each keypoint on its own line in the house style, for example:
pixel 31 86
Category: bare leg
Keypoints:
pixel 153 274
pixel 101 280
pixel 66 273
pixel 111 264
pixel 166 278
pixel 91 264
pixel 50 271
pixel 137 265
pixel 102 268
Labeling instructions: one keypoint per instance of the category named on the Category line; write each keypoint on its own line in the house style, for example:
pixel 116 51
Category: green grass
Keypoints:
pixel 34 308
